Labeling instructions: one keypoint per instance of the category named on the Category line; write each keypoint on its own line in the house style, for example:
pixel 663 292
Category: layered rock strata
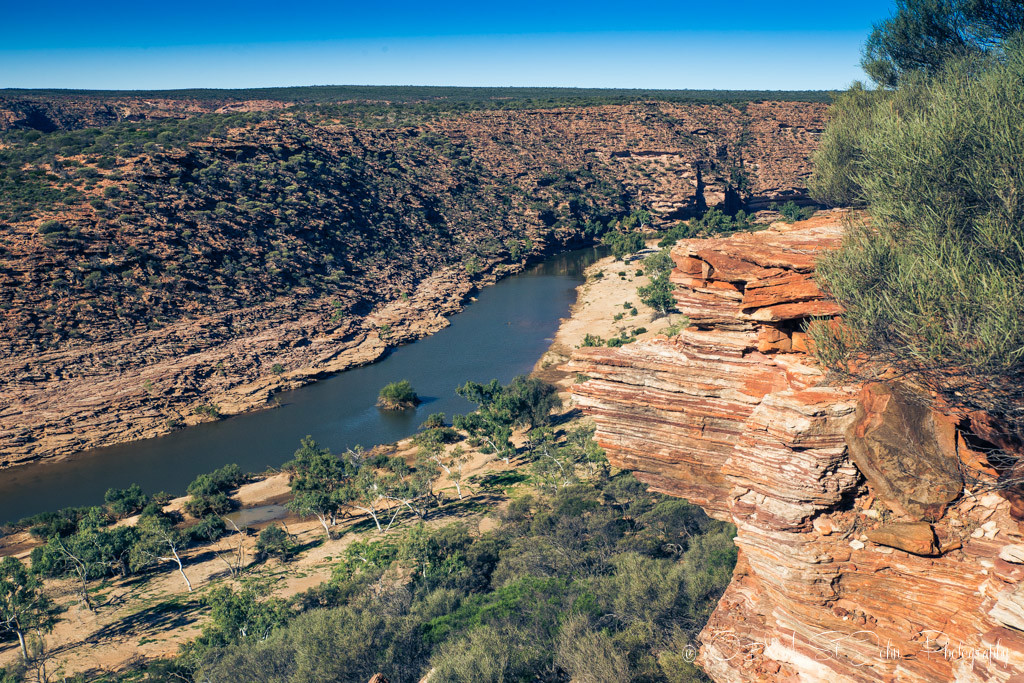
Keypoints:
pixel 862 557
pixel 177 281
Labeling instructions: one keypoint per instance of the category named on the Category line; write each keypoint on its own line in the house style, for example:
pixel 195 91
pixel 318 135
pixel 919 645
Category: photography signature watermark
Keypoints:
pixel 859 648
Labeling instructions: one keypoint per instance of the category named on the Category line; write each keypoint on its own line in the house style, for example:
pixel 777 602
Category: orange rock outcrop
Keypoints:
pixel 862 556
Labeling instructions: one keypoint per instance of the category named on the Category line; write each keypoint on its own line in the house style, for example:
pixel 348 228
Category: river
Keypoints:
pixel 500 336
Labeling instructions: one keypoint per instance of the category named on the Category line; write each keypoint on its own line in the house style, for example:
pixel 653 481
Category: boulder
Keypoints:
pixel 917 538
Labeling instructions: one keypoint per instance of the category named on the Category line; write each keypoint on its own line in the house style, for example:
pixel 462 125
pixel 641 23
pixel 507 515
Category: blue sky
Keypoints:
pixel 653 44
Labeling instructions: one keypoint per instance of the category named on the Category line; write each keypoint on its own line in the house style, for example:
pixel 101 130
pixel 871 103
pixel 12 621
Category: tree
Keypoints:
pixel 367 492
pixel 23 605
pixel 552 464
pixel 209 491
pixel 159 541
pixel 234 556
pixel 274 541
pixel 397 396
pixel 658 293
pixel 92 552
pixel 923 35
pixel 125 502
pixel 245 614
pixel 490 428
pixel 524 401
pixel 316 483
pixel 623 243
pixel 450 462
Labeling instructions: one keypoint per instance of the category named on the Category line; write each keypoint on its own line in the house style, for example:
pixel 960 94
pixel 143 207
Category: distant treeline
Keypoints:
pixel 489 97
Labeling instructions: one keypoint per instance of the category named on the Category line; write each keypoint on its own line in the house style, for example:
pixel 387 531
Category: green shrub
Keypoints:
pixel 622 244
pixel 792 212
pixel 51 227
pixel 274 542
pixel 125 502
pixel 397 395
pixel 934 289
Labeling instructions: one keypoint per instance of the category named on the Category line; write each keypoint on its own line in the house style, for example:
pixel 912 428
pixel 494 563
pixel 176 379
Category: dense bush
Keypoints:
pixel 397 395
pixel 570 587
pixel 208 492
pixel 622 244
pixel 922 35
pixel 934 288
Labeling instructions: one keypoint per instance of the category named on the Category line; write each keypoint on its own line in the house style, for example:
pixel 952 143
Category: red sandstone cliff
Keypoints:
pixel 176 276
pixel 862 556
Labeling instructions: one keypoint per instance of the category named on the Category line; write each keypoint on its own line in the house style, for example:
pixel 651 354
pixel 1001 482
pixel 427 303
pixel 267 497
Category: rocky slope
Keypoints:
pixel 863 556
pixel 159 275
pixel 70 113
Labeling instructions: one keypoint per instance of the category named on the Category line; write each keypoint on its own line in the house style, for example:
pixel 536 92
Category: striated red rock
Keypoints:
pixel 917 538
pixel 182 275
pixel 838 577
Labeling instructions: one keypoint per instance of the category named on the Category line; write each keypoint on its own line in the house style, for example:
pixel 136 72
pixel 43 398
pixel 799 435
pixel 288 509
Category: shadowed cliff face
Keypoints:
pixel 862 557
pixel 144 288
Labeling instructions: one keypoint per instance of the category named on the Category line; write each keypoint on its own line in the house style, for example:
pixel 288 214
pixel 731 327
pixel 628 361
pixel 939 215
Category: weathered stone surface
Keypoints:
pixel 175 298
pixel 905 451
pixel 917 538
pixel 837 578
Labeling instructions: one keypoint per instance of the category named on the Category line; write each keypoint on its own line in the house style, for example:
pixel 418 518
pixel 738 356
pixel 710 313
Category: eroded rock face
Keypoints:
pixel 177 278
pixel 845 573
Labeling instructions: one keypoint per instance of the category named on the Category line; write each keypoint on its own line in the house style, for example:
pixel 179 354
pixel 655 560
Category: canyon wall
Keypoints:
pixel 862 555
pixel 151 283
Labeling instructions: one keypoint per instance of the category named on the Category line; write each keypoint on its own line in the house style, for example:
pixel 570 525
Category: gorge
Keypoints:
pixel 146 296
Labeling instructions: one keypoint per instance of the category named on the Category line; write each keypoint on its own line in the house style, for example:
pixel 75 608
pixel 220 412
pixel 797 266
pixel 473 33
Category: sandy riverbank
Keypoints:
pixel 149 616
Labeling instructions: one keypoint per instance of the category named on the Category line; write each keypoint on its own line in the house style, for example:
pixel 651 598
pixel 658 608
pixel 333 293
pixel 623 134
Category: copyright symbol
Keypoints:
pixel 689 654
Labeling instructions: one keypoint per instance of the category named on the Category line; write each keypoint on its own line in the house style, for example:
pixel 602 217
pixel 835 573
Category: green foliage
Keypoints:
pixel 277 368
pixel 274 541
pixel 207 409
pixel 237 616
pixel 680 231
pixel 712 222
pixel 524 401
pixel 837 158
pixel 599 581
pixel 622 244
pixel 317 483
pixel 210 528
pixel 658 293
pixel 433 421
pixel 397 395
pixel 125 502
pixel 92 552
pixel 935 287
pixel 50 227
pixel 923 35
pixel 209 491
pixel 23 605
pixel 792 212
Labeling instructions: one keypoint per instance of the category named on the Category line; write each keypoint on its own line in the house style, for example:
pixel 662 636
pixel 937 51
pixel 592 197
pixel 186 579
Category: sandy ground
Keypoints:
pixel 150 616
pixel 598 301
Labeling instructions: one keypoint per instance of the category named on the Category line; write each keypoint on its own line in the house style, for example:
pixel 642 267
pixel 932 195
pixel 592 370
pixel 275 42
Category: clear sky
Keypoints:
pixel 148 44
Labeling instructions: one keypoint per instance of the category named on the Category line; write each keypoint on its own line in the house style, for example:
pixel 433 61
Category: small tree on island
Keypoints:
pixel 398 396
